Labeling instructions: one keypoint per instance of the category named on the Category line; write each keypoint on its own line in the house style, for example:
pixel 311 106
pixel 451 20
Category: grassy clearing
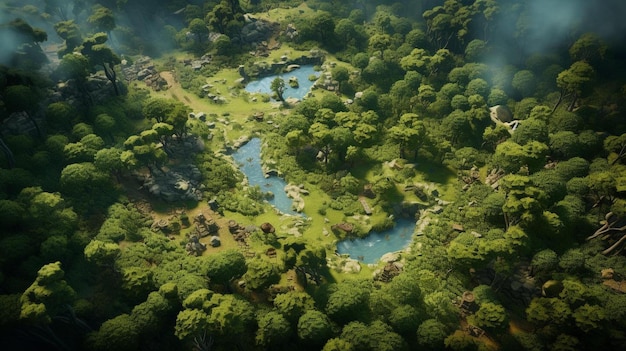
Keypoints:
pixel 233 118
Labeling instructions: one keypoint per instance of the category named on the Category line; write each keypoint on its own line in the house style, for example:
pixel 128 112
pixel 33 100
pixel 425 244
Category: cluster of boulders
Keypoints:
pixel 262 69
pixel 327 82
pixel 290 32
pixel 197 64
pixel 393 267
pixel 18 123
pixel 295 192
pixel 256 31
pixel 179 183
pixel 142 69
pixel 194 247
pixel 344 264
pixel 96 89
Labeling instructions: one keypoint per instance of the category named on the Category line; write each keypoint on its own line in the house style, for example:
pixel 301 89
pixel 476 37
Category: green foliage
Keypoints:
pixel 224 266
pixel 274 329
pixel 491 316
pixel 261 274
pixel 293 304
pixel 47 296
pixel 314 327
pixel 348 301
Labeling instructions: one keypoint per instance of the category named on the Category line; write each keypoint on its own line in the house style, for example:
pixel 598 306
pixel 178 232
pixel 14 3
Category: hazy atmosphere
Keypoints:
pixel 359 175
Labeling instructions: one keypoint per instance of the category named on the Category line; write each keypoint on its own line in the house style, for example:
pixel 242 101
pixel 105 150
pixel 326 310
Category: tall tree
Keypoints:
pixel 101 55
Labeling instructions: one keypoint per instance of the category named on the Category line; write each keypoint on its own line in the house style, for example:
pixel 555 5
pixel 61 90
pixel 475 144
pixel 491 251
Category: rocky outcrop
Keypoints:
pixel 295 192
pixel 143 70
pixel 179 183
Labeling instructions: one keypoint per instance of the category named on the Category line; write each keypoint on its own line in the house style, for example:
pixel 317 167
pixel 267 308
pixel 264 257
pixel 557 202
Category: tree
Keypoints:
pixel 405 319
pixel 101 55
pixel 524 82
pixel 120 333
pixel 490 316
pixel 78 178
pixel 375 336
pixel 409 133
pixel 573 82
pixel 224 266
pixel 231 318
pixel 431 334
pixel 22 98
pixel 348 302
pixel 68 30
pixel 22 45
pixel 47 296
pixel 191 323
pixel 102 19
pixel 589 317
pixel 293 304
pixel 337 344
pixel 544 311
pixel 341 75
pixel 274 330
pixel 589 47
pixel 199 29
pixel 314 328
pixel 261 274
pixel 102 253
pixel 278 87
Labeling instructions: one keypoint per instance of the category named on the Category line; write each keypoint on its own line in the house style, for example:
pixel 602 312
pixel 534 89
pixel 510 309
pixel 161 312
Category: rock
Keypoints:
pixel 351 266
pixel 552 288
pixel 215 241
pixel 267 228
pixel 390 257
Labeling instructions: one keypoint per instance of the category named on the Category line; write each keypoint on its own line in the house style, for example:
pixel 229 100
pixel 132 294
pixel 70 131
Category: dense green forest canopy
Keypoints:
pixel 497 125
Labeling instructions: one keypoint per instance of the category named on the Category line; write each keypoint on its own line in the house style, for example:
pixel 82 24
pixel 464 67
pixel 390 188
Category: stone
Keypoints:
pixel 390 257
pixel 215 241
pixel 267 228
pixel 351 266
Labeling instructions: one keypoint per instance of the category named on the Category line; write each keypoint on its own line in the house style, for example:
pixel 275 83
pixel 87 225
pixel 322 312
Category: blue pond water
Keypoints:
pixel 248 157
pixel 371 248
pixel 263 85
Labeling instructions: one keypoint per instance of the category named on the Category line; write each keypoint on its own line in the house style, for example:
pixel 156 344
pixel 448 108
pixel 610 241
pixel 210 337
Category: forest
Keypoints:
pixel 496 127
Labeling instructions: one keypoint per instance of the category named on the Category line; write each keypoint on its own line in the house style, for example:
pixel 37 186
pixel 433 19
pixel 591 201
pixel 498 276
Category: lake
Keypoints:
pixel 371 248
pixel 263 85
pixel 248 158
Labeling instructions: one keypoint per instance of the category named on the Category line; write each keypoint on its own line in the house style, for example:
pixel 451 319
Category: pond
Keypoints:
pixel 263 85
pixel 371 248
pixel 248 158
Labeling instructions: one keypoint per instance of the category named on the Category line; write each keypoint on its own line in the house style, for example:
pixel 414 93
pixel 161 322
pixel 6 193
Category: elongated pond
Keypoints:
pixel 367 250
pixel 371 248
pixel 248 158
pixel 263 85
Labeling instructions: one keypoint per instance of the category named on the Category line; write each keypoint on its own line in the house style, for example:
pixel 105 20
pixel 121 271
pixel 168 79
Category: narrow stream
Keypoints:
pixel 248 158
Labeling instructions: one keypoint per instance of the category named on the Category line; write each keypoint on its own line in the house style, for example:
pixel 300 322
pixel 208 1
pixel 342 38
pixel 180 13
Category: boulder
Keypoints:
pixel 267 228
pixel 390 257
pixel 351 266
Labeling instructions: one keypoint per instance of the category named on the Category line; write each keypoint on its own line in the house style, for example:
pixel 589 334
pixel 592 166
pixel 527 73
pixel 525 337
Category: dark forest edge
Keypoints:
pixel 514 114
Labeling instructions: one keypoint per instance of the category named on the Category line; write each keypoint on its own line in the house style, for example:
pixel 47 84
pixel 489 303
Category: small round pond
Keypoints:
pixel 371 248
pixel 302 74
pixel 248 158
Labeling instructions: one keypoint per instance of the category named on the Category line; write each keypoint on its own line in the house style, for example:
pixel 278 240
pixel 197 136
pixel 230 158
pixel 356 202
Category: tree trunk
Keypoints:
pixel 32 120
pixel 8 153
pixel 111 76
pixel 558 102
